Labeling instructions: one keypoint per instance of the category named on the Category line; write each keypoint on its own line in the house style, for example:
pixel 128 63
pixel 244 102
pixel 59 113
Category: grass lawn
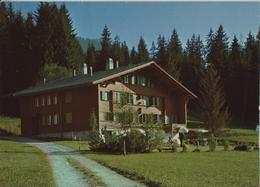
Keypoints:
pixel 220 168
pixel 23 165
pixel 240 135
pixel 10 125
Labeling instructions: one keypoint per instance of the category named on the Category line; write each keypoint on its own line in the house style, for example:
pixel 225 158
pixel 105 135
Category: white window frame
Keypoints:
pixel 56 119
pixel 49 119
pixel 55 99
pixel 133 78
pixel 104 95
pixel 68 117
pixel 43 100
pixel 126 79
pixel 37 103
pixel 48 100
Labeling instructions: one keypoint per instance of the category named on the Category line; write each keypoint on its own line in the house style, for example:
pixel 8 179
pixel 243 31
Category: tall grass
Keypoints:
pixel 10 125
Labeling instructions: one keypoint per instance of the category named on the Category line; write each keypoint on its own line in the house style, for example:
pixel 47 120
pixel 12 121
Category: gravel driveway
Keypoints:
pixel 65 175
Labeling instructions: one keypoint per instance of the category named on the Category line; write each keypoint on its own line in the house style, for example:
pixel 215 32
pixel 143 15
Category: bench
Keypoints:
pixel 166 148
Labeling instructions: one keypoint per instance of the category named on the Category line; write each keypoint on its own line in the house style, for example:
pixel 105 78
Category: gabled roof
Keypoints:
pixel 96 78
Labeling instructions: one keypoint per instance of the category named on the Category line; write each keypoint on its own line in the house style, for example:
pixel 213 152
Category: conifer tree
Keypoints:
pixel 218 50
pixel 70 54
pixel 193 64
pixel 153 52
pixel 30 65
pixel 3 49
pixel 105 52
pixel 142 53
pixel 161 55
pixel 116 49
pixel 174 55
pixel 133 56
pixel 125 58
pixel 91 56
pixel 212 101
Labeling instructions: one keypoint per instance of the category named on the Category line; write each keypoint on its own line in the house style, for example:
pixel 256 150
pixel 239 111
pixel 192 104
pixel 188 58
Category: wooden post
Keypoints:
pixel 124 148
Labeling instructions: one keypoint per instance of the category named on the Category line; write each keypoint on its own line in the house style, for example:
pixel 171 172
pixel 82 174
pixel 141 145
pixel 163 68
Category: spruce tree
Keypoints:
pixel 218 50
pixel 91 56
pixel 125 58
pixel 193 64
pixel 133 56
pixel 70 53
pixel 161 55
pixel 153 52
pixel 116 49
pixel 3 49
pixel 174 55
pixel 30 65
pixel 212 101
pixel 142 53
pixel 105 52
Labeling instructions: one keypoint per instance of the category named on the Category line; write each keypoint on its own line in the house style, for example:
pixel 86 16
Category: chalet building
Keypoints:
pixel 63 107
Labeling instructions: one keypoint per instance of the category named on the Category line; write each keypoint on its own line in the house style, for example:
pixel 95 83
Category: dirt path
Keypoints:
pixel 66 175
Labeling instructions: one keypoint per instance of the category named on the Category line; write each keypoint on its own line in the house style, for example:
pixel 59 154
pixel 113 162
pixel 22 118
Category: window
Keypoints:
pixel 156 118
pixel 143 81
pixel 158 101
pixel 133 79
pixel 108 116
pixel 148 83
pixel 146 100
pixel 68 117
pixel 55 119
pixel 48 100
pixel 126 79
pixel 118 97
pixel 104 96
pixel 43 100
pixel 168 119
pixel 116 117
pixel 130 98
pixel 55 100
pixel 49 119
pixel 43 120
pixel 68 98
pixel 37 104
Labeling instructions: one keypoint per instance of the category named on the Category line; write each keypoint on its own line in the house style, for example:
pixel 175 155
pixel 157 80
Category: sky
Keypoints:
pixel 130 20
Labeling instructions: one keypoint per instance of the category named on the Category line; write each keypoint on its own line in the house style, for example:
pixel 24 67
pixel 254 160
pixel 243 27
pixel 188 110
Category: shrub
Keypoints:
pixel 242 147
pixel 174 147
pixel 184 147
pixel 95 140
pixel 154 138
pixel 226 144
pixel 136 141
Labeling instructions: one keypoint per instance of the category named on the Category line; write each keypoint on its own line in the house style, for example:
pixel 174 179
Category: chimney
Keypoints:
pixel 110 64
pixel 117 64
pixel 91 70
pixel 74 73
pixel 85 69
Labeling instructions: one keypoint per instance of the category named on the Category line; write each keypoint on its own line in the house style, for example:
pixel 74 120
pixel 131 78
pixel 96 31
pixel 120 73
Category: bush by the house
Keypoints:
pixel 226 144
pixel 242 147
pixel 137 141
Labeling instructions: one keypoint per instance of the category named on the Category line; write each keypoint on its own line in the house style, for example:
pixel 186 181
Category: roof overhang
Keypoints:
pixel 157 67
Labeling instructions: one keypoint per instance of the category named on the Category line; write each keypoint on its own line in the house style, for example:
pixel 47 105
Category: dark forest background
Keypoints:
pixel 44 41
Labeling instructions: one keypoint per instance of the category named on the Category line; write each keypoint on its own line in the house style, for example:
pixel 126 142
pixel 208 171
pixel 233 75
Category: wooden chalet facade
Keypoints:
pixel 63 107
